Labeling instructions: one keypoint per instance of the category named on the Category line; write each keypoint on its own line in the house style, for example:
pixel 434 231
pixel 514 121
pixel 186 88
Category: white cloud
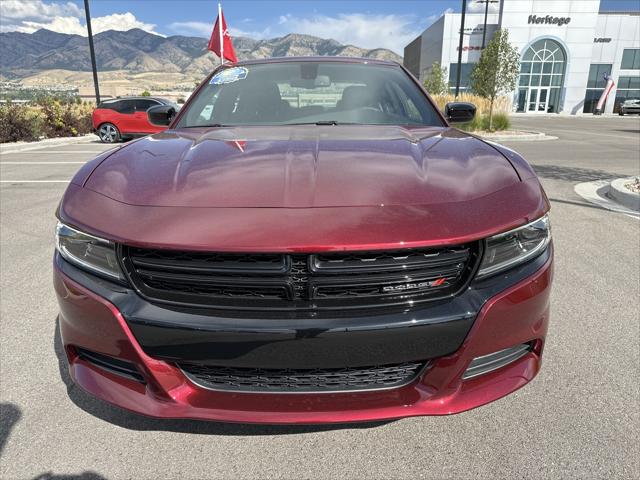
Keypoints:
pixel 29 16
pixel 36 10
pixel 362 30
pixel 432 18
pixel 201 29
pixel 478 7
pixel 120 21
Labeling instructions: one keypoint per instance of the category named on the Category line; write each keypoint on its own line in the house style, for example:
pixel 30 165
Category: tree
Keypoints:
pixel 437 81
pixel 497 71
pixel 146 93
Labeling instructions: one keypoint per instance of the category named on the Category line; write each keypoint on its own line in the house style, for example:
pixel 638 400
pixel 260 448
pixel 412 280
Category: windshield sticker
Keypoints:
pixel 229 75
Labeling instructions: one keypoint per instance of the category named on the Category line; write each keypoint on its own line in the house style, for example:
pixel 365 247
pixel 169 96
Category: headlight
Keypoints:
pixel 87 251
pixel 516 246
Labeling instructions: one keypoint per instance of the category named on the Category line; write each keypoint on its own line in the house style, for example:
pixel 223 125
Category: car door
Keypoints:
pixel 142 121
pixel 125 120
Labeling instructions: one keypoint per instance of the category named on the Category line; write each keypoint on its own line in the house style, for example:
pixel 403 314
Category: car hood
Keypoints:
pixel 302 167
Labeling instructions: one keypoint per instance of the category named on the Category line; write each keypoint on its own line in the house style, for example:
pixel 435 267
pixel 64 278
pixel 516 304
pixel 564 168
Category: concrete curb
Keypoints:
pixel 48 142
pixel 596 193
pixel 527 137
pixel 625 197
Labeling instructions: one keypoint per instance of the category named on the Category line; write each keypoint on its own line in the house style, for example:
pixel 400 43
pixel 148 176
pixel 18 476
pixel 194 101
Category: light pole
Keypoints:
pixel 464 9
pixel 92 51
pixel 486 12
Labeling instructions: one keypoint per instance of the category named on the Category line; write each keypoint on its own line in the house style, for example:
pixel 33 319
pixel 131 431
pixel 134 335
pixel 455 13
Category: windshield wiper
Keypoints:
pixel 208 125
pixel 321 122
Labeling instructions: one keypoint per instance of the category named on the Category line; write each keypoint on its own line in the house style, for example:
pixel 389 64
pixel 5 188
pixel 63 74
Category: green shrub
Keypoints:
pixel 473 125
pixel 481 122
pixel 49 118
pixel 500 121
pixel 65 119
pixel 19 123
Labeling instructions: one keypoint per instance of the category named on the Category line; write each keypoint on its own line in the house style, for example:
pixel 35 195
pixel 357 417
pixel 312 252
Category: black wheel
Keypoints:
pixel 108 133
pixel 621 113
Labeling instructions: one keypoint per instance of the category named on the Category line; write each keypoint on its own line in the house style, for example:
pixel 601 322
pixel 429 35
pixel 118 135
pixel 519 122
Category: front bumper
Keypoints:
pixel 497 313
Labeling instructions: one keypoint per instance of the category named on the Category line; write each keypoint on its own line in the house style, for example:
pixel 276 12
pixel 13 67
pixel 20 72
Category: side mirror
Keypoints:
pixel 161 115
pixel 459 112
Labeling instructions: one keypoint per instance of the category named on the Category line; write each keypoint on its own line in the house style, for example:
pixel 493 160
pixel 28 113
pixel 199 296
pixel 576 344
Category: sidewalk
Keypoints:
pixel 13 147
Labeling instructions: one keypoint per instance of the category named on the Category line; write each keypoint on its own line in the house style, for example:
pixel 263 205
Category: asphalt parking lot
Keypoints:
pixel 580 418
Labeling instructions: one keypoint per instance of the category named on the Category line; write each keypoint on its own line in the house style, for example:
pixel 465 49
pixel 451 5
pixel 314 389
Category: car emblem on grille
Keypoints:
pixel 413 286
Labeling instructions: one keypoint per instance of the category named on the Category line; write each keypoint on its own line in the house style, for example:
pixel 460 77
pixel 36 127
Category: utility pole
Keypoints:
pixel 464 9
pixel 92 51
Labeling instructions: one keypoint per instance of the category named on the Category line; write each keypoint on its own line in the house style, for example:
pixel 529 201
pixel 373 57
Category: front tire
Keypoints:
pixel 108 133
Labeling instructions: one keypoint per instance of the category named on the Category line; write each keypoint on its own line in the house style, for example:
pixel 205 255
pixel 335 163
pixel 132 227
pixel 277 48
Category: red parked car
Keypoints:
pixel 308 242
pixel 124 118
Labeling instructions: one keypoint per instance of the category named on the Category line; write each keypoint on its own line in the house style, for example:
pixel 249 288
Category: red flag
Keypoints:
pixel 219 37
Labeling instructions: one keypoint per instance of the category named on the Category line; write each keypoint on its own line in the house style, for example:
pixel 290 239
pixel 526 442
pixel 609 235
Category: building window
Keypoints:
pixel 595 85
pixel 541 77
pixel 465 74
pixel 628 88
pixel 631 59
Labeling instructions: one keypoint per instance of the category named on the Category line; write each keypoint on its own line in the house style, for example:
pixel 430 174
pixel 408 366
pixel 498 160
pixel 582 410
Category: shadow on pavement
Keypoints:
pixel 132 421
pixel 573 174
pixel 81 476
pixel 10 415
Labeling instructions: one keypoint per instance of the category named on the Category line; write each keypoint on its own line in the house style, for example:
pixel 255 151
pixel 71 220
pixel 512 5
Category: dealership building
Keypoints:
pixel 565 47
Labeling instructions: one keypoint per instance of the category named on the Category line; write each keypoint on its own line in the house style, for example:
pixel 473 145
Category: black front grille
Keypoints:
pixel 302 380
pixel 300 282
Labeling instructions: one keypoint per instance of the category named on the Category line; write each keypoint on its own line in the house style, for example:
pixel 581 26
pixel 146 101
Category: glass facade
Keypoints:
pixel 465 74
pixel 542 69
pixel 628 88
pixel 595 85
pixel 630 59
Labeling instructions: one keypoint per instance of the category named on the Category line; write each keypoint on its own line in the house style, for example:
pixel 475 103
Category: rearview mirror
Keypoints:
pixel 161 115
pixel 459 112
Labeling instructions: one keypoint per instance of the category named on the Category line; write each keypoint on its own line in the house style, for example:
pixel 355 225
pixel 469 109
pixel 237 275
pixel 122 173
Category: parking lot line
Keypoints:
pixel 35 181
pixel 51 152
pixel 40 163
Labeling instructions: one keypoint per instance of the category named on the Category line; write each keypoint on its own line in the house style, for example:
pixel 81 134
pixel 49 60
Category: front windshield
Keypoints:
pixel 310 92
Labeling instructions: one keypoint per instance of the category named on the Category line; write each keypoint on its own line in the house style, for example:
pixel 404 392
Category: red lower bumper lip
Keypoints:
pixel 516 315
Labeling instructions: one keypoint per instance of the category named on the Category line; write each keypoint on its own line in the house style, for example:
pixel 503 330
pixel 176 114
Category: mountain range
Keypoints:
pixel 137 51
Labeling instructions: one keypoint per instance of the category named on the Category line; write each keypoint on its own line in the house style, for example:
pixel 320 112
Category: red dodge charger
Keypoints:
pixel 309 241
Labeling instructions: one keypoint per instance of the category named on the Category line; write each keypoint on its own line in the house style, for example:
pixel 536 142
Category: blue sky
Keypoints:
pixel 368 24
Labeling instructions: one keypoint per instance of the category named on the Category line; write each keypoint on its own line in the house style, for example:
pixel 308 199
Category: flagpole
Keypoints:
pixel 220 33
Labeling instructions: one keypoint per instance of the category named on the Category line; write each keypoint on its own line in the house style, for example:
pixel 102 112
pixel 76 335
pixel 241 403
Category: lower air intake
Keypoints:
pixel 111 364
pixel 302 380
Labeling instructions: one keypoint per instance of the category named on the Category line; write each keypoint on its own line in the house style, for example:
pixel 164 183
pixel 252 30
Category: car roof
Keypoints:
pixel 158 99
pixel 326 59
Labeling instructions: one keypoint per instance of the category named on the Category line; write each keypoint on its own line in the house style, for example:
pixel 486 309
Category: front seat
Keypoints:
pixel 356 96
pixel 260 104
